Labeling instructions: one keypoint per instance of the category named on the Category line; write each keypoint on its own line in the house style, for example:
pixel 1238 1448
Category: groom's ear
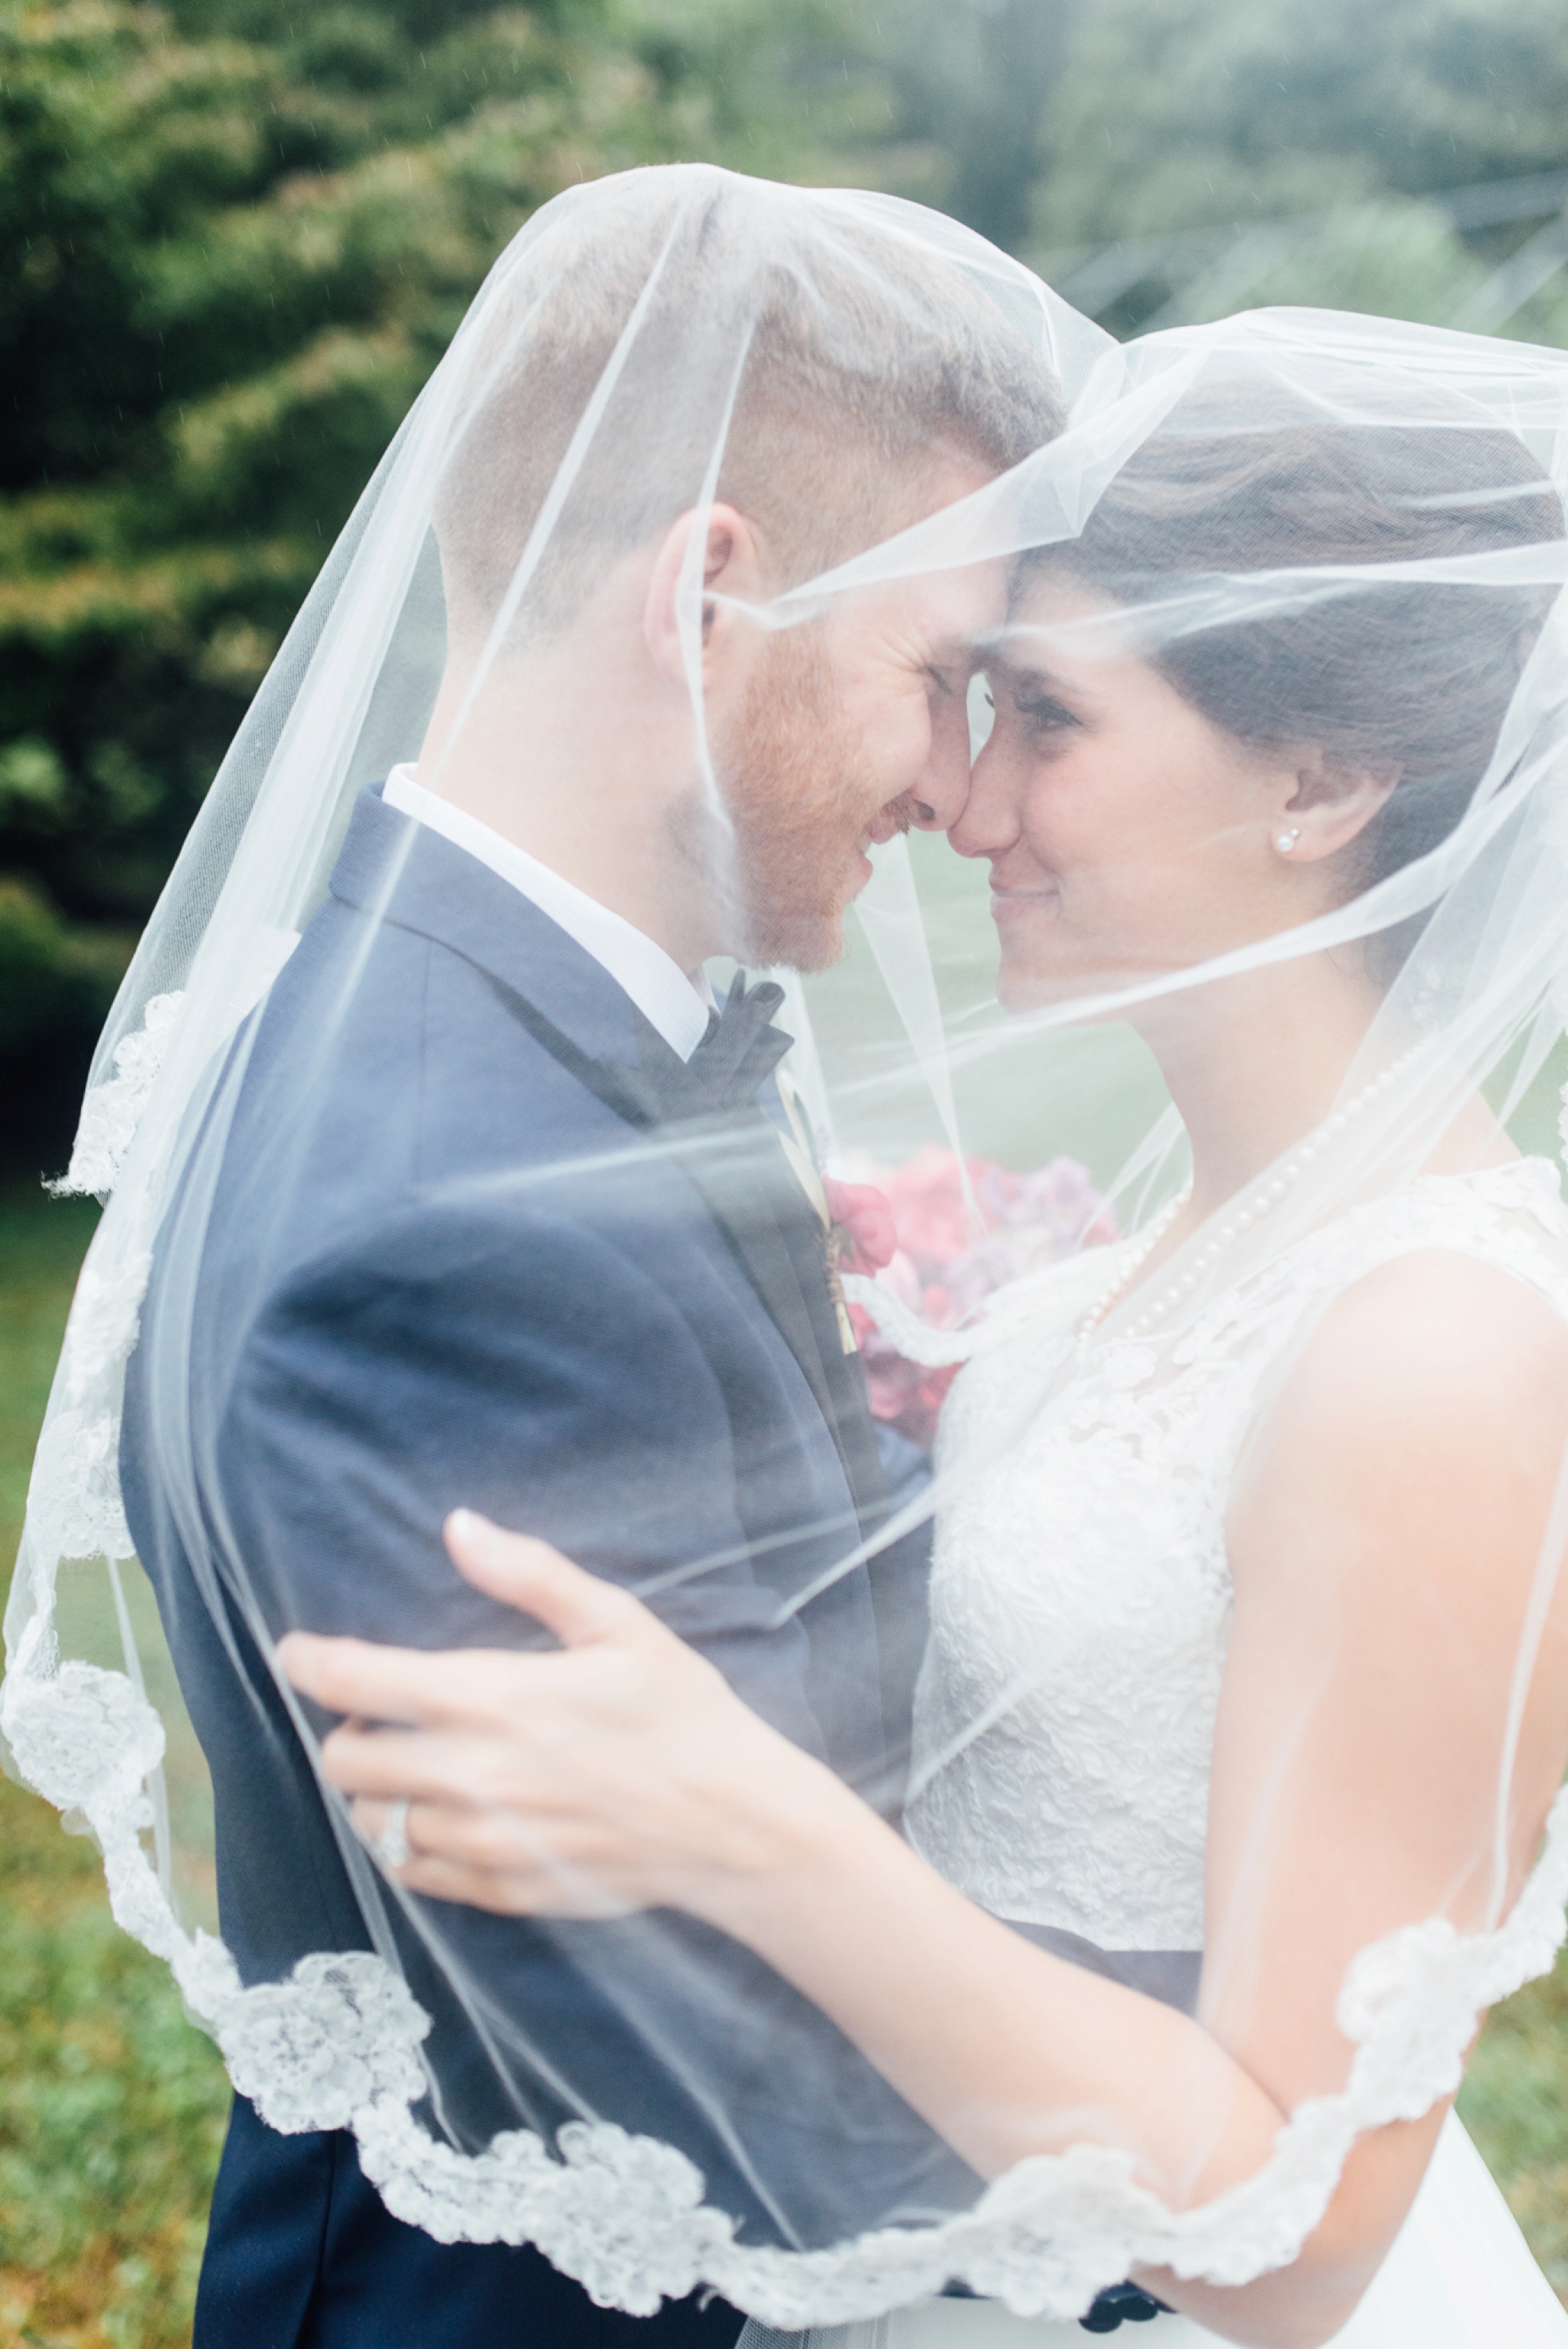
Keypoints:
pixel 707 562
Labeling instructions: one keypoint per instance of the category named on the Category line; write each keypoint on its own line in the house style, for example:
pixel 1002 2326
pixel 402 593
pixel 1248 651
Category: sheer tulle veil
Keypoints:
pixel 1318 527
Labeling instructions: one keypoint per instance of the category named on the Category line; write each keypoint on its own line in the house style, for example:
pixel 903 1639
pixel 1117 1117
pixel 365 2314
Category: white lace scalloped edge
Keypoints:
pixel 112 1111
pixel 337 2047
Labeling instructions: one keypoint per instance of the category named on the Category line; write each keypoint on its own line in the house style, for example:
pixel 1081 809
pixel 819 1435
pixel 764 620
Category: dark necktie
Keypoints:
pixel 735 1057
pixel 738 1053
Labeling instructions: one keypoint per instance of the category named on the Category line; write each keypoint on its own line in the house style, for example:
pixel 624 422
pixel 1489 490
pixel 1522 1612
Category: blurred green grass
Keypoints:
pixel 113 2107
pixel 112 2112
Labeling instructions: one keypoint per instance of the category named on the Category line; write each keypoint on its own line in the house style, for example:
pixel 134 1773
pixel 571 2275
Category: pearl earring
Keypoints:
pixel 1287 841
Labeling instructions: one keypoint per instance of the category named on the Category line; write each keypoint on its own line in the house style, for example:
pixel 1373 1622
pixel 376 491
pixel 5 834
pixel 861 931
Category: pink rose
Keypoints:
pixel 863 1214
pixel 900 1392
pixel 929 1208
pixel 945 1263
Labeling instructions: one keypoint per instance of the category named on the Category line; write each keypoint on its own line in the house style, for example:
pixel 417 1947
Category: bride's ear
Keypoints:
pixel 708 561
pixel 1331 804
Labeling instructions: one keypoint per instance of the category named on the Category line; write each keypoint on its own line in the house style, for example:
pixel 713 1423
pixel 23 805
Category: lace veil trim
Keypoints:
pixel 337 2047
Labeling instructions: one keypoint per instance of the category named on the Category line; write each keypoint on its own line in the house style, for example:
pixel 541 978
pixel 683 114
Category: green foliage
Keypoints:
pixel 968 100
pixel 53 976
pixel 1172 112
pixel 112 2117
pixel 41 1244
pixel 239 236
pixel 240 232
pixel 114 2110
pixel 1056 124
pixel 1387 254
pixel 1514 2103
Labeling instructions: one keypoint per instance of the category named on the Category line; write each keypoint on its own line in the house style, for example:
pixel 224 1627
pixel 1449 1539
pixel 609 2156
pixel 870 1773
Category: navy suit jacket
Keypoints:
pixel 437 1269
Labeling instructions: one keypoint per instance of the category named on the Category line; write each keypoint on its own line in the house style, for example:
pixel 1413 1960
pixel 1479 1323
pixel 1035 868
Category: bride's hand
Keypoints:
pixel 616 1774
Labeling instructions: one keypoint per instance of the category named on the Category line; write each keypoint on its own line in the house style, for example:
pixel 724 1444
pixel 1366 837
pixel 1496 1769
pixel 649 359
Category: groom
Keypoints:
pixel 509 1215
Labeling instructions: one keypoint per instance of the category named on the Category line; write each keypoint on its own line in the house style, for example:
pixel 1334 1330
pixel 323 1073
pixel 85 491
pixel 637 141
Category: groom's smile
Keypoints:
pixel 856 729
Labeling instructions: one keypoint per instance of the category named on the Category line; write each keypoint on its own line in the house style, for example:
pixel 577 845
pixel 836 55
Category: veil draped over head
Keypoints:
pixel 422 1189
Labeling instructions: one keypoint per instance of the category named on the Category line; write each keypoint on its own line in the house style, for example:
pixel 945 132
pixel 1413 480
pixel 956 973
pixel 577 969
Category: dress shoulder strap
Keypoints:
pixel 1512 1216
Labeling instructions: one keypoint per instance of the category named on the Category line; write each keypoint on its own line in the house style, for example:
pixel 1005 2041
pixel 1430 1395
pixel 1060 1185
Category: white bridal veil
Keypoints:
pixel 1322 529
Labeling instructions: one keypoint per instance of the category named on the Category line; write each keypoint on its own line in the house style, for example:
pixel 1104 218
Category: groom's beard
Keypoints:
pixel 799 797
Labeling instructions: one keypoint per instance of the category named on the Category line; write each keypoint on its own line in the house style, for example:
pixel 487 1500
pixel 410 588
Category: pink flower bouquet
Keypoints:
pixel 912 1224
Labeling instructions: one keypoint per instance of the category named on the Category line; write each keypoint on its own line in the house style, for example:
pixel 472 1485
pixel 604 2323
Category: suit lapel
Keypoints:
pixel 738 1167
pixel 398 871
pixel 844 1374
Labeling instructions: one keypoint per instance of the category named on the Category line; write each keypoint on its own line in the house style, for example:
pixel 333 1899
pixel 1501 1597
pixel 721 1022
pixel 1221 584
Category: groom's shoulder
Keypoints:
pixel 400 1041
pixel 418 1136
pixel 445 935
pixel 398 1117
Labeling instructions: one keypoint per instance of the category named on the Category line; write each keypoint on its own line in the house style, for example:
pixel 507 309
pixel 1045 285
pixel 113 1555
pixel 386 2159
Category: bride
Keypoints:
pixel 1245 1698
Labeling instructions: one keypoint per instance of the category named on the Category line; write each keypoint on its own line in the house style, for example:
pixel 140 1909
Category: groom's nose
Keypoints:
pixel 935 797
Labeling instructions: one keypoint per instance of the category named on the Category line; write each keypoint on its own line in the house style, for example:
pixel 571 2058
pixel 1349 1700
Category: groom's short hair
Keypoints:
pixel 855 356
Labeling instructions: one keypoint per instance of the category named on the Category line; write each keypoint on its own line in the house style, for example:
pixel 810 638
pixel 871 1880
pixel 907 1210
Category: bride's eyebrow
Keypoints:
pixel 1032 677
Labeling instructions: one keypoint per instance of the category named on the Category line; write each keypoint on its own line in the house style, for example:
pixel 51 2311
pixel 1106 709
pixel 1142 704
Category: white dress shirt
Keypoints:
pixel 656 982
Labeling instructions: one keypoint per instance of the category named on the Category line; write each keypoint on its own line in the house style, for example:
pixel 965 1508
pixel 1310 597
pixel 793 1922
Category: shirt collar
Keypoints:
pixel 654 979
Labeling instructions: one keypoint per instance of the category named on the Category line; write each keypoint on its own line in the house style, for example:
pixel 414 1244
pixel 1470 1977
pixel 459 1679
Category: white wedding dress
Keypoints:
pixel 1084 1576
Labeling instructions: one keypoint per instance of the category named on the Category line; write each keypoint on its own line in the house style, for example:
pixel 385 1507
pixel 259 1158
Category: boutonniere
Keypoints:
pixel 861 1237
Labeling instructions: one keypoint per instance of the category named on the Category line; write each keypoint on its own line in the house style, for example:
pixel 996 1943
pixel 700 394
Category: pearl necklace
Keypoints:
pixel 1241 1220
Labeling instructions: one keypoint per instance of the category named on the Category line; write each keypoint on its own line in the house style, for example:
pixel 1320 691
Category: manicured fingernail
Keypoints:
pixel 469 1526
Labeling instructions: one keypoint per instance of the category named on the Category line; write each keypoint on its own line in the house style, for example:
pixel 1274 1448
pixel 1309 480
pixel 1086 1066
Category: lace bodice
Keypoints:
pixel 1080 1589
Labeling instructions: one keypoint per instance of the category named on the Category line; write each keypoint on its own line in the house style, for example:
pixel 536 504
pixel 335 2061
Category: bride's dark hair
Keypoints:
pixel 1412 681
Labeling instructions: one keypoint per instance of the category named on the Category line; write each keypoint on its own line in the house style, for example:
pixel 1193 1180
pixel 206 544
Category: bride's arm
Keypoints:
pixel 1383 1540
